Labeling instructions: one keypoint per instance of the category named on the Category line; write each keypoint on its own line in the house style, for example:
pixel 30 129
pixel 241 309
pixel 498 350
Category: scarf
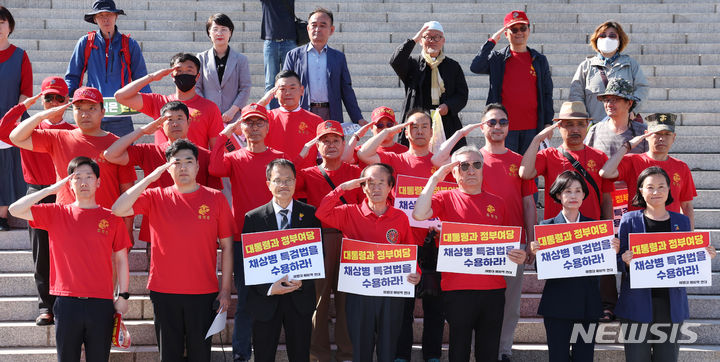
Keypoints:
pixel 436 82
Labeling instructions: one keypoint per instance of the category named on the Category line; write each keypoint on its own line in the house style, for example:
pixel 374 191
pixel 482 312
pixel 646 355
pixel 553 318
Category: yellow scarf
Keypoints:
pixel 436 82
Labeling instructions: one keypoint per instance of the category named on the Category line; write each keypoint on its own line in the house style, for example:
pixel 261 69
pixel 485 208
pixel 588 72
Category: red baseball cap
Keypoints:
pixel 253 110
pixel 54 85
pixel 515 17
pixel 87 94
pixel 330 126
pixel 383 112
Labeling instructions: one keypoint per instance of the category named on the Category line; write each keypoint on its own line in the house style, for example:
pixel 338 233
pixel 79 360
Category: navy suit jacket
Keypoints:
pixel 261 306
pixel 636 304
pixel 339 86
pixel 571 298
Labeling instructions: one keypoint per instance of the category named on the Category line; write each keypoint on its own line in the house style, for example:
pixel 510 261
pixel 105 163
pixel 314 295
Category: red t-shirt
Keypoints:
pixel 500 177
pixel 185 229
pixel 483 208
pixel 395 148
pixel 519 91
pixel 26 72
pixel 150 156
pixel 64 145
pixel 682 186
pixel 550 163
pixel 246 171
pixel 38 168
pixel 81 245
pixel 290 131
pixel 313 184
pixel 357 221
pixel 205 117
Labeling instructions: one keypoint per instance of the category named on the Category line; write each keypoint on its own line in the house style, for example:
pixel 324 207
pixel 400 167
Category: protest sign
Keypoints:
pixel 620 206
pixel 407 190
pixel 575 250
pixel 664 260
pixel 270 255
pixel 477 249
pixel 379 270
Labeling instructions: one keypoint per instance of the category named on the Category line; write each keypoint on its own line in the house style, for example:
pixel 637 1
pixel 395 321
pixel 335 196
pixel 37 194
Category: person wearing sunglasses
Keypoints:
pixel 471 301
pixel 382 118
pixel 593 74
pixel 39 173
pixel 432 80
pixel 501 165
pixel 519 79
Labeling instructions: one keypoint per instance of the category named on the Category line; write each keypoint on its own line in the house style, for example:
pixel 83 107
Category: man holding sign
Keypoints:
pixel 473 302
pixel 187 220
pixel 653 304
pixel 372 321
pixel 286 303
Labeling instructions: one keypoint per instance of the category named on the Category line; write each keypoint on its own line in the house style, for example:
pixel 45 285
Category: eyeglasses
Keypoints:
pixel 615 99
pixel 464 166
pixel 521 28
pixel 251 124
pixel 611 36
pixel 381 125
pixel 435 38
pixel 492 122
pixel 219 30
pixel 285 182
pixel 50 97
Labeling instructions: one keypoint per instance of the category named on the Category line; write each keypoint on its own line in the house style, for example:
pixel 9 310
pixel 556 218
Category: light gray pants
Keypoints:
pixel 513 291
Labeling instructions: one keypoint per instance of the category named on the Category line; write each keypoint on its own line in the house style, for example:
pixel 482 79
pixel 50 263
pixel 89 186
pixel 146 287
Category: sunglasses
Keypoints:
pixel 50 97
pixel 381 125
pixel 464 166
pixel 522 29
pixel 492 122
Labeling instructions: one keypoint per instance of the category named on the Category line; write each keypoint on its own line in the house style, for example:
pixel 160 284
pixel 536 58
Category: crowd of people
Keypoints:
pixel 222 166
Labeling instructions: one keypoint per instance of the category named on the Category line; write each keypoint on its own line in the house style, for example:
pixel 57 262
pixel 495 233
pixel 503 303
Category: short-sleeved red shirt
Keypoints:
pixel 500 177
pixel 246 171
pixel 550 163
pixel 64 145
pixel 682 186
pixel 81 245
pixel 483 208
pixel 290 131
pixel 184 230
pixel 205 117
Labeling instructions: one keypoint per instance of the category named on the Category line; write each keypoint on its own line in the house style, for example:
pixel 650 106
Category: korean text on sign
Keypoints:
pixel 407 190
pixel 270 255
pixel 477 249
pixel 379 270
pixel 677 259
pixel 575 249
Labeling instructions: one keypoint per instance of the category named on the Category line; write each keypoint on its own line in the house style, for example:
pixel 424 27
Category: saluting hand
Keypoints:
pixel 230 129
pixel 155 175
pixel 496 36
pixel 547 132
pixel 162 73
pixel 155 125
pixel 398 128
pixel 268 96
pixel 420 33
pixel 444 170
pixel 56 187
pixel 639 139
pixel 467 129
pixel 30 101
pixel 353 184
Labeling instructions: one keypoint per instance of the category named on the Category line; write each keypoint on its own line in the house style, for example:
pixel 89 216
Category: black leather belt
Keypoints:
pixel 320 105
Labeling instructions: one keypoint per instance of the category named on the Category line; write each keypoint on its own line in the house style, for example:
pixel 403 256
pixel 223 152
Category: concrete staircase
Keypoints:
pixel 674 41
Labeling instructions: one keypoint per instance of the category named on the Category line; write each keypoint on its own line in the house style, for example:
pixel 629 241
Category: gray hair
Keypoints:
pixel 466 149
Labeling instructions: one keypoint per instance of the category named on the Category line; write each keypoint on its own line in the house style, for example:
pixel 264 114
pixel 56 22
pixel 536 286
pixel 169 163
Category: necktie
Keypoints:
pixel 284 222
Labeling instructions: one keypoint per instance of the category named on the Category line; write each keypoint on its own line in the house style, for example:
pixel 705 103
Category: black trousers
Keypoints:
pixel 181 322
pixel 608 292
pixel 558 332
pixel 298 330
pixel 81 322
pixel 374 324
pixel 41 257
pixel 645 351
pixel 433 327
pixel 480 311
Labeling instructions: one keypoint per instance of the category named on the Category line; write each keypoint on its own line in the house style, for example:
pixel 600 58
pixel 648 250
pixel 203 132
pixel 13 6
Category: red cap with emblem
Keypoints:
pixel 330 126
pixel 54 85
pixel 515 17
pixel 253 110
pixel 89 94
pixel 383 112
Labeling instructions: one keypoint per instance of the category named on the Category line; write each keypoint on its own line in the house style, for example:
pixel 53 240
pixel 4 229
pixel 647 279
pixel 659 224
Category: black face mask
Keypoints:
pixel 185 82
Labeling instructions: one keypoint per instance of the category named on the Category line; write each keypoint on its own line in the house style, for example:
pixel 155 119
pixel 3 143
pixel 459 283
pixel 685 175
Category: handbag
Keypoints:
pixel 301 34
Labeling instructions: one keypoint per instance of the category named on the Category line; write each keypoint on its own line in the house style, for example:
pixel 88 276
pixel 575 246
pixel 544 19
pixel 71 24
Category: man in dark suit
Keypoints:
pixel 286 303
pixel 323 72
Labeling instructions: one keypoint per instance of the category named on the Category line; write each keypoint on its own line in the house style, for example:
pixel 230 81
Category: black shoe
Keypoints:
pixel 4 226
pixel 45 319
pixel 504 358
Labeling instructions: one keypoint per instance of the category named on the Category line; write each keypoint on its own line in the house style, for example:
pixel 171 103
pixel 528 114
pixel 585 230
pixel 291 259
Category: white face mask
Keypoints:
pixel 607 45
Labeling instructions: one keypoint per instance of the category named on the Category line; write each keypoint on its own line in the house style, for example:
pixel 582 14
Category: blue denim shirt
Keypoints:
pixel 317 74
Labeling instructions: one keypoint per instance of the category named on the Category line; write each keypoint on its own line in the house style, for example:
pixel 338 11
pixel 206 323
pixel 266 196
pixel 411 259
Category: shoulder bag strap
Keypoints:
pixel 329 181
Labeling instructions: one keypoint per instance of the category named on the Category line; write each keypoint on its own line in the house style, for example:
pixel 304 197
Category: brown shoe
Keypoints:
pixel 45 319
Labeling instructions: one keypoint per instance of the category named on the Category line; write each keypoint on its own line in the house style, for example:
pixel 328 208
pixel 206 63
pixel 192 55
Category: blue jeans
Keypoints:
pixel 243 323
pixel 117 125
pixel 274 56
pixel 519 141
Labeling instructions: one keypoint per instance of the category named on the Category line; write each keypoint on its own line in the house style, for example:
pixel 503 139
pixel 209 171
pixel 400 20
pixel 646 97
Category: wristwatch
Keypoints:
pixel 125 295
